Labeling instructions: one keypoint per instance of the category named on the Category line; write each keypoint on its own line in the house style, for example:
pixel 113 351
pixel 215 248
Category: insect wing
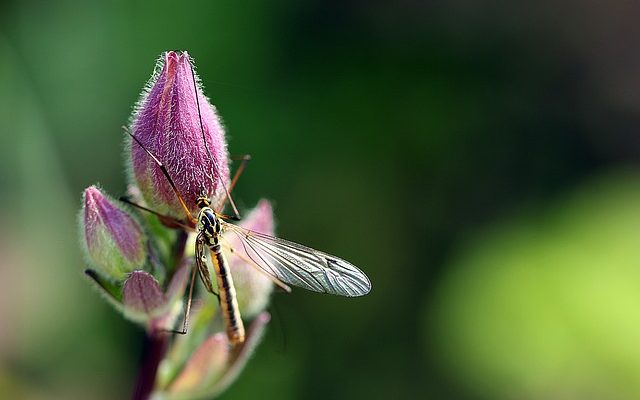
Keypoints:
pixel 301 266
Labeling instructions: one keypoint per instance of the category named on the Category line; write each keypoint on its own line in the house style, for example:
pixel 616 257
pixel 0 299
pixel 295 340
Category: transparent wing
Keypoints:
pixel 301 266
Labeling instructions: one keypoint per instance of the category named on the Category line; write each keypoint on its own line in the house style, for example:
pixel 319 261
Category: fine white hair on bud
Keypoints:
pixel 113 239
pixel 172 120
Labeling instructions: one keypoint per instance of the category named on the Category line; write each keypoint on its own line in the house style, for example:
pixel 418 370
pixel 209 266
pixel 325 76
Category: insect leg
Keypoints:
pixel 164 218
pixel 160 165
pixel 187 309
pixel 201 263
pixel 244 160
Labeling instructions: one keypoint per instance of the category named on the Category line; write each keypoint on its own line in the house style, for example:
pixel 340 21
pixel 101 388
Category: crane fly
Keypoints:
pixel 283 261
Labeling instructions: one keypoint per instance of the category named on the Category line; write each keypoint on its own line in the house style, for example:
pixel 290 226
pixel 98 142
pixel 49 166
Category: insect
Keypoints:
pixel 283 261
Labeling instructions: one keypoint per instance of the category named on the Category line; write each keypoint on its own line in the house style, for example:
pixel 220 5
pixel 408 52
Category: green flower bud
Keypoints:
pixel 214 365
pixel 113 239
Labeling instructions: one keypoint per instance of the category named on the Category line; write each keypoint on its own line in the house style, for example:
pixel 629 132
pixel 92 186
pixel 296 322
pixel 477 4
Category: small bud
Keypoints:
pixel 167 123
pixel 253 288
pixel 142 296
pixel 114 241
pixel 254 337
pixel 214 365
pixel 205 365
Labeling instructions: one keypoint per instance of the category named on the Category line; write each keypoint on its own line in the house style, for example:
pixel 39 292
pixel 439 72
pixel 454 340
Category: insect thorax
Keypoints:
pixel 209 225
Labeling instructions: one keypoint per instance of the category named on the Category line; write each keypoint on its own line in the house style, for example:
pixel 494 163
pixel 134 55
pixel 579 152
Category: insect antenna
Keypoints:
pixel 216 171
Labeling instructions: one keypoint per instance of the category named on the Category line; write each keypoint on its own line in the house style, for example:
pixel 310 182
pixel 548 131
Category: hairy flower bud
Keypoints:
pixel 142 295
pixel 113 240
pixel 167 122
pixel 253 288
pixel 212 365
pixel 206 365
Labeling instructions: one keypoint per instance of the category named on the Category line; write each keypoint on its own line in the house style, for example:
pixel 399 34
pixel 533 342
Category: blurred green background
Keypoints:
pixel 478 160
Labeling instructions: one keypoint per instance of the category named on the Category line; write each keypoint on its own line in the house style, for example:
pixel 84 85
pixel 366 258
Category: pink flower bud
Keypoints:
pixel 166 122
pixel 142 295
pixel 253 288
pixel 254 336
pixel 214 366
pixel 205 366
pixel 114 241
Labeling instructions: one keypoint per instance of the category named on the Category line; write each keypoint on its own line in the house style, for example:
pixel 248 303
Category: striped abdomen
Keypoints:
pixel 228 302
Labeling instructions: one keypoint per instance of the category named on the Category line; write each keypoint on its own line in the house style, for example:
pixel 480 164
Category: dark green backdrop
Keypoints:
pixel 417 139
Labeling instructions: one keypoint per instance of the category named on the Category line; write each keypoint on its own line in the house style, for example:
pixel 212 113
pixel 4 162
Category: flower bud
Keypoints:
pixel 214 365
pixel 205 365
pixel 142 299
pixel 253 288
pixel 113 240
pixel 142 296
pixel 254 337
pixel 167 123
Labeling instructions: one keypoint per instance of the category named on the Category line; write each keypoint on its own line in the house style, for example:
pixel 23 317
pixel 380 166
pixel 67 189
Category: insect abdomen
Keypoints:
pixel 228 302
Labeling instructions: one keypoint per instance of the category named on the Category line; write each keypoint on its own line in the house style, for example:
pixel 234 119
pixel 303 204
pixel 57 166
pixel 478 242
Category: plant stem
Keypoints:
pixel 155 347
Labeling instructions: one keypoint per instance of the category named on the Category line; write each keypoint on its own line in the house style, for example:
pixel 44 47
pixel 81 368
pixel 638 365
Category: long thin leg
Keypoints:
pixel 240 157
pixel 187 309
pixel 166 174
pixel 165 218
pixel 201 263
pixel 244 161
pixel 249 261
